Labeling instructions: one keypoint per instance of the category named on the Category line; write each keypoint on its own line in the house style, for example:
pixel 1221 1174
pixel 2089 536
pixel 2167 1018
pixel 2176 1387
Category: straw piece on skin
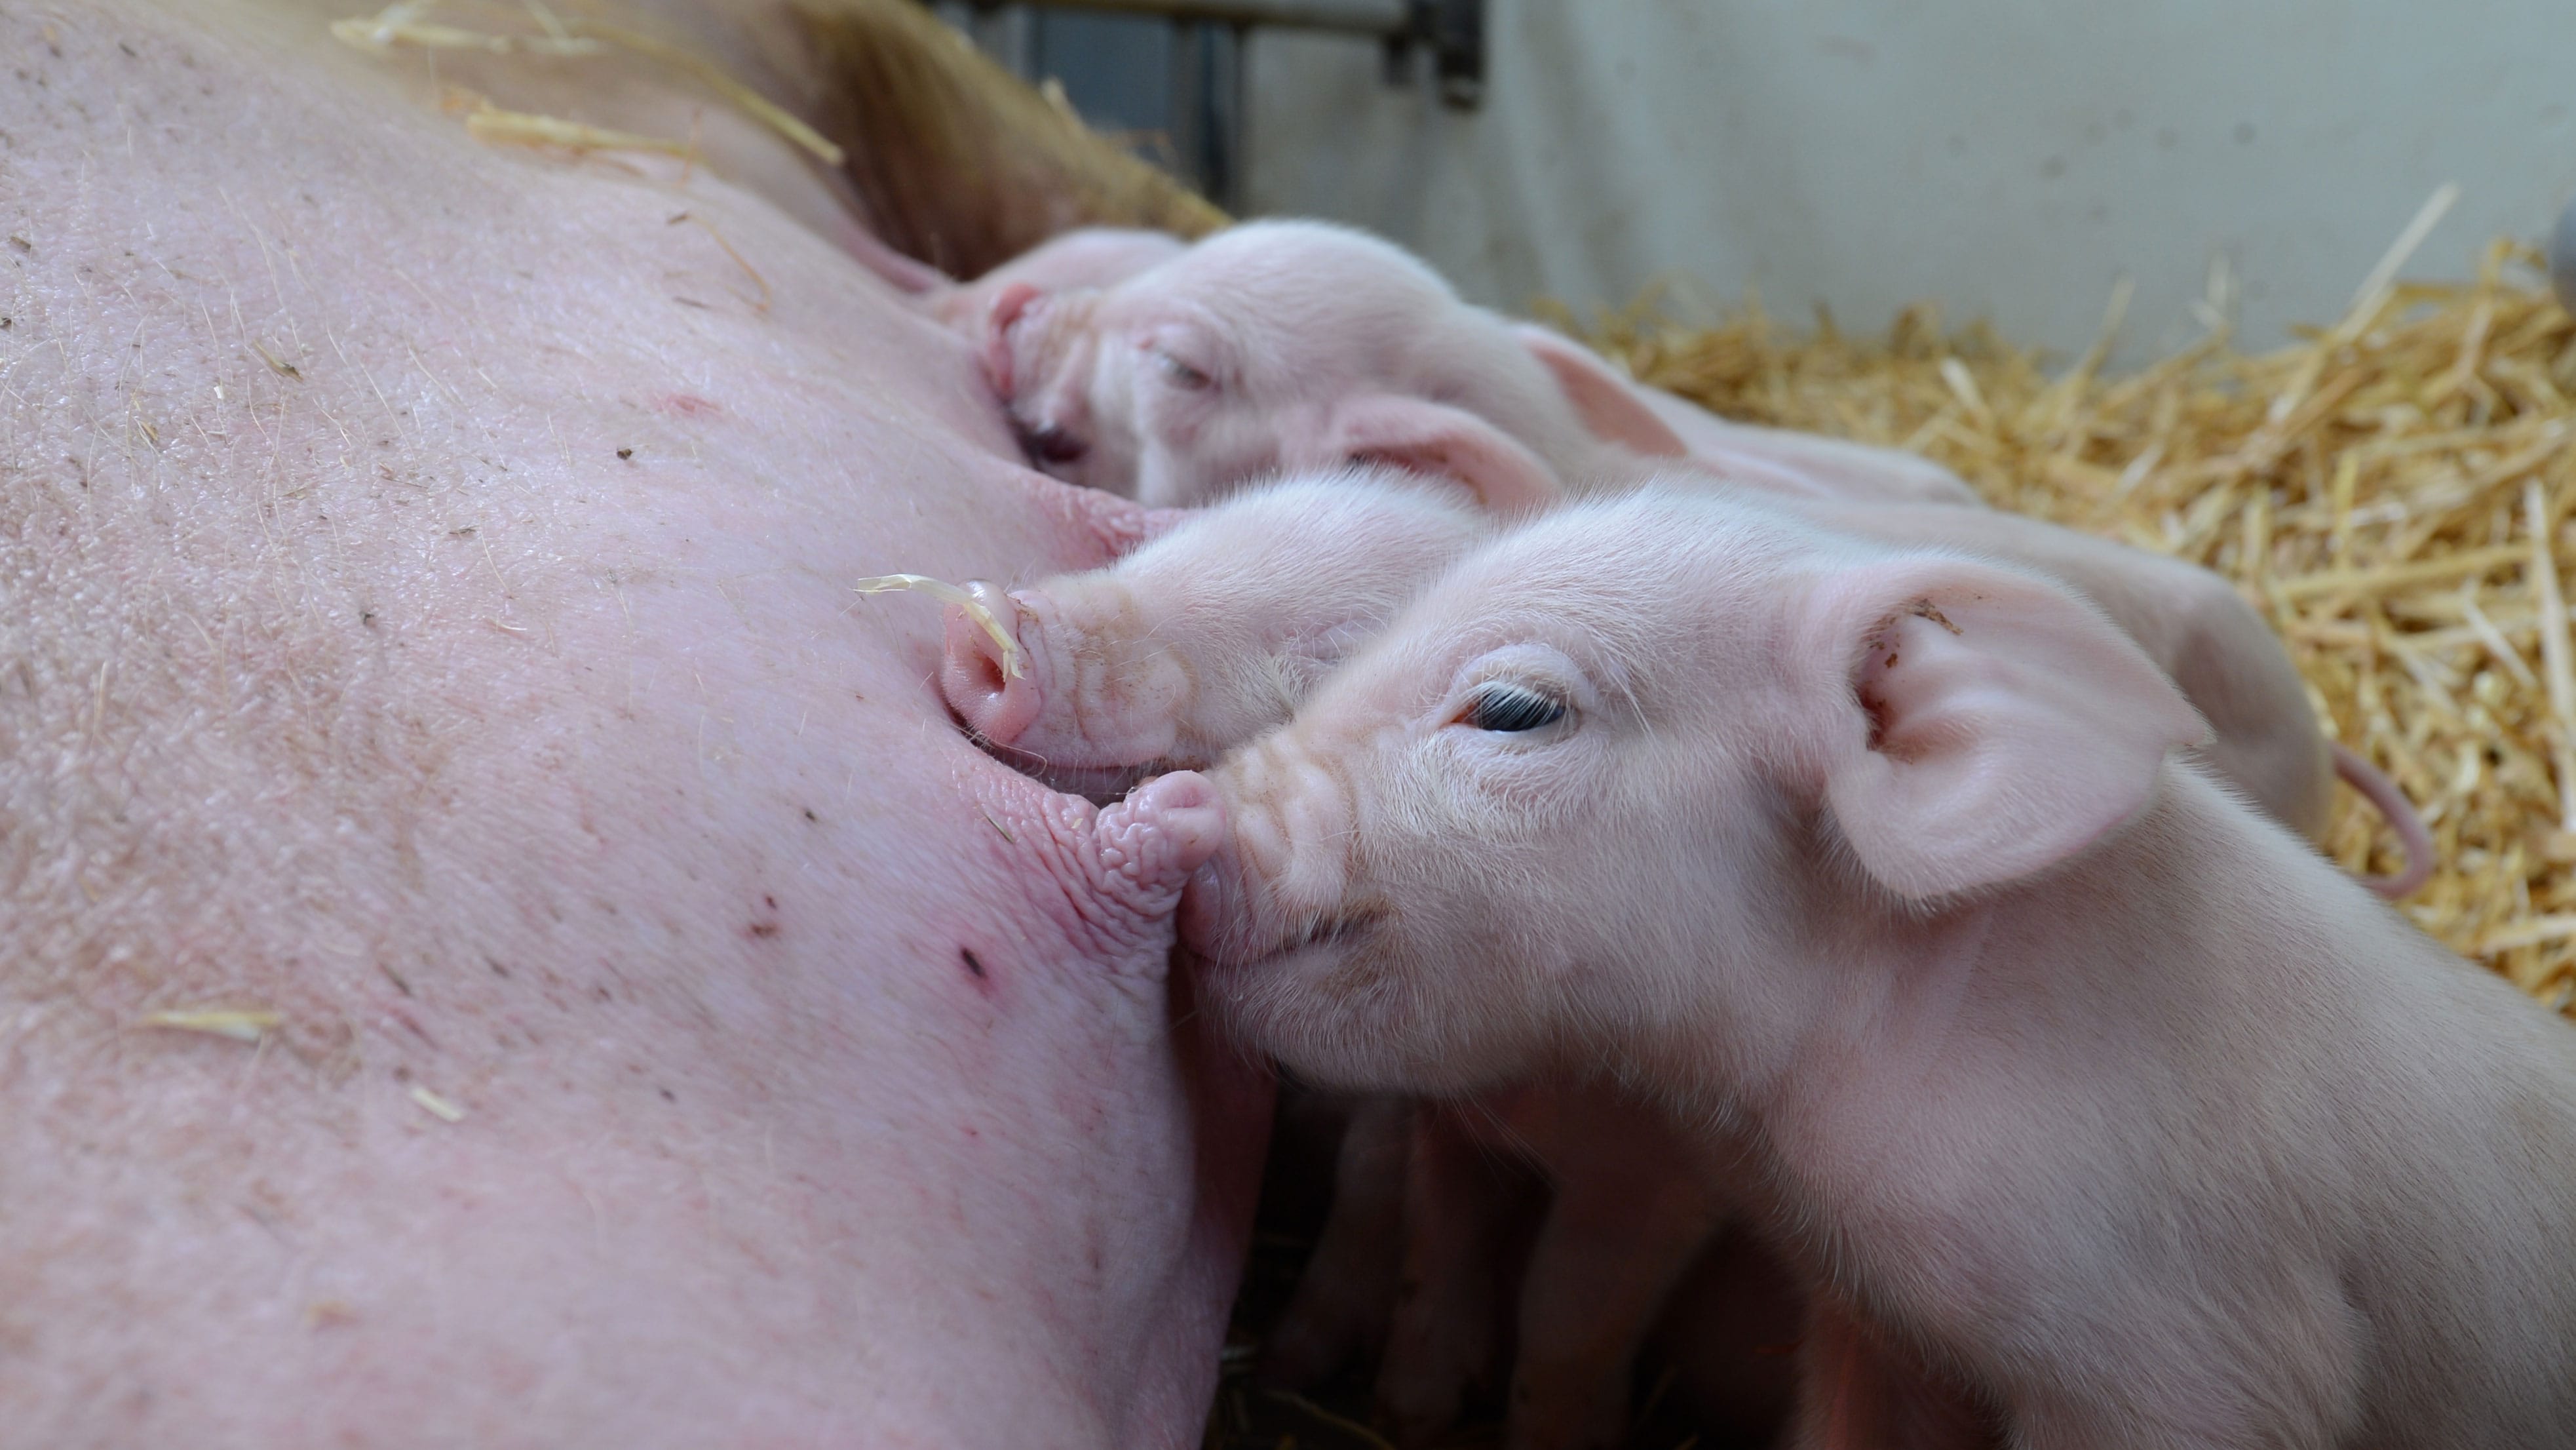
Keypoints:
pixel 947 593
pixel 436 1106
pixel 760 107
pixel 239 1024
pixel 766 297
pixel 404 23
pixel 491 124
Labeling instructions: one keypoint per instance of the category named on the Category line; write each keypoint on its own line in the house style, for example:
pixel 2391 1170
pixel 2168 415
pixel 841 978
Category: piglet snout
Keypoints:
pixel 975 676
pixel 1260 893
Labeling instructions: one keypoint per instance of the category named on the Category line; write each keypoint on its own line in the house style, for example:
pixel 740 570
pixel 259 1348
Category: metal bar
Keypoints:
pixel 1364 17
pixel 1238 117
pixel 1186 119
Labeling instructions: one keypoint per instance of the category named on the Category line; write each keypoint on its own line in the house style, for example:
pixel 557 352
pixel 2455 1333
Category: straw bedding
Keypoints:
pixel 2393 492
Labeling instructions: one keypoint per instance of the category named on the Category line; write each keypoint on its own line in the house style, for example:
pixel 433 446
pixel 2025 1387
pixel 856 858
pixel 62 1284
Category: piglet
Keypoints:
pixel 1307 344
pixel 1209 634
pixel 1203 639
pixel 1198 641
pixel 1084 258
pixel 1081 258
pixel 2090 1102
pixel 1301 344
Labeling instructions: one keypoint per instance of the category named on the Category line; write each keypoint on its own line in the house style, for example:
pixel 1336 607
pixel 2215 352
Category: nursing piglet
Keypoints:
pixel 1209 634
pixel 2065 1076
pixel 1085 257
pixel 1299 344
pixel 1201 640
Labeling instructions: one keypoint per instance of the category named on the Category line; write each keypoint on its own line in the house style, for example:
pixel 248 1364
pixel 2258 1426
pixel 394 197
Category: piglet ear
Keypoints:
pixel 1421 436
pixel 1991 725
pixel 1608 404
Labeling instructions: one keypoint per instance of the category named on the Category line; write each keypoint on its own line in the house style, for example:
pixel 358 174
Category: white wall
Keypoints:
pixel 2009 158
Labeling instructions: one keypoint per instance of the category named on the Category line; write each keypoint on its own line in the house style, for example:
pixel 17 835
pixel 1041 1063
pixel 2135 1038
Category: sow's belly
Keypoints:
pixel 500 945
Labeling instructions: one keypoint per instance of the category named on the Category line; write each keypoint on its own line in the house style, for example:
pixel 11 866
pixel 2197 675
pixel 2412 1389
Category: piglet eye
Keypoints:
pixel 1180 374
pixel 1502 706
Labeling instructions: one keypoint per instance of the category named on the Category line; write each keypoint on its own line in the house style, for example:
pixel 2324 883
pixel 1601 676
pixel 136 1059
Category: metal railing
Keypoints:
pixel 1451 31
pixel 1207 84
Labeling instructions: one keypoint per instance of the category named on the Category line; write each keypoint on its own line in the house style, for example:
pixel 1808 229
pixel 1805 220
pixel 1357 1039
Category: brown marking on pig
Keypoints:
pixel 413 1024
pixel 764 930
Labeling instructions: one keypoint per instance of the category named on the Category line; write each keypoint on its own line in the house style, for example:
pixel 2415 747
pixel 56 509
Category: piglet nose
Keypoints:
pixel 1053 444
pixel 975 675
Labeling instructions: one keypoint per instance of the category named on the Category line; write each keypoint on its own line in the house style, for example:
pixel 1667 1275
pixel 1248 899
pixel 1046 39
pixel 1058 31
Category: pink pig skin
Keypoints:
pixel 1300 344
pixel 2048 1056
pixel 2192 623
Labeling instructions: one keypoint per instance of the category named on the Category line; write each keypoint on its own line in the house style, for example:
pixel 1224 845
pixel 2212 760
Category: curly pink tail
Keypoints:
pixel 2382 792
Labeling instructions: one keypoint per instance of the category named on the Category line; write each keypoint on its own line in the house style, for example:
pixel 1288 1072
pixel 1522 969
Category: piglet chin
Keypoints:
pixel 1220 928
pixel 1219 923
pixel 1208 908
pixel 1335 1023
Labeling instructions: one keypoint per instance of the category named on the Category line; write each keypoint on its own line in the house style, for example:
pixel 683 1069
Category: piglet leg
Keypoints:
pixel 1340 1309
pixel 1617 1238
pixel 1446 1342
pixel 1856 1391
